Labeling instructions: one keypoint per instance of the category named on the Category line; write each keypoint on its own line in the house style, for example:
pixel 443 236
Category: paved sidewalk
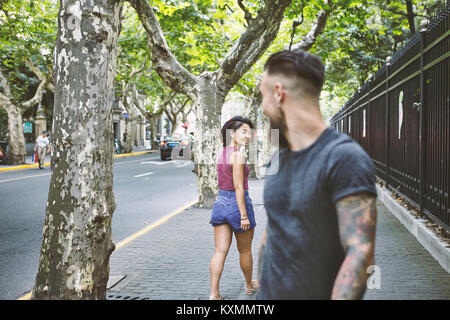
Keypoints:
pixel 172 260
pixel 407 270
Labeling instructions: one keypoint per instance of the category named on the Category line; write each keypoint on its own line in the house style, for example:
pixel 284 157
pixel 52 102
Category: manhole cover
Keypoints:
pixel 111 296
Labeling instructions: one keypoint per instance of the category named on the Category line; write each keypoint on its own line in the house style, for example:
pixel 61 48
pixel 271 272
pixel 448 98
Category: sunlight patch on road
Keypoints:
pixel 21 178
pixel 144 174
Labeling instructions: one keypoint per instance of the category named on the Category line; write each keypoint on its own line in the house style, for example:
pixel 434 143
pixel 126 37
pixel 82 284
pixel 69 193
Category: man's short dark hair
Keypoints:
pixel 298 64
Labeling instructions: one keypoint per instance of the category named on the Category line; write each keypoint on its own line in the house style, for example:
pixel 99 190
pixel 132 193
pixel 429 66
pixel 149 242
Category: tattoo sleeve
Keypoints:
pixel 357 222
pixel 262 246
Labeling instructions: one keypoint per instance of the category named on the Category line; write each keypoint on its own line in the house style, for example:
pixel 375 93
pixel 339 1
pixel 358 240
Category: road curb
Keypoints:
pixel 133 154
pixel 29 166
pixel 25 166
pixel 435 246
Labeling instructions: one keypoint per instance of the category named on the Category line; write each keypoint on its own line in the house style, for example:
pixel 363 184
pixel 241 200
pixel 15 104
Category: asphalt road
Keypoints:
pixel 146 189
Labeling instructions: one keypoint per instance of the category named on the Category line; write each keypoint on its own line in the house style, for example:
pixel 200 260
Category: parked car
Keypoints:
pixel 166 146
pixel 181 143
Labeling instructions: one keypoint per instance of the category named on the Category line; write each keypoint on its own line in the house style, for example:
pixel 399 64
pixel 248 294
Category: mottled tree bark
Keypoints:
pixel 207 143
pixel 131 125
pixel 153 130
pixel 16 138
pixel 77 242
pixel 266 148
pixel 131 122
pixel 252 108
pixel 171 113
pixel 130 101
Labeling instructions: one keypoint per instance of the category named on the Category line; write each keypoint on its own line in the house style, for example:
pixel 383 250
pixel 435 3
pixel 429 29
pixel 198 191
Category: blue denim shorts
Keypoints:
pixel 226 210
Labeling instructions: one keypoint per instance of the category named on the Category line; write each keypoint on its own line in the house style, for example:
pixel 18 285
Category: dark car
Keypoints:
pixel 167 145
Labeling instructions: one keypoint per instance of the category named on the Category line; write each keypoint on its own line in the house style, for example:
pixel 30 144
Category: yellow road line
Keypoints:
pixel 27 166
pixel 46 174
pixel 131 154
pixel 138 234
pixel 153 225
pixel 26 297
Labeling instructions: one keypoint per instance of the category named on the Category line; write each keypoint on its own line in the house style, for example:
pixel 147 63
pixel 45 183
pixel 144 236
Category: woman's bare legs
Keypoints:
pixel 223 236
pixel 244 245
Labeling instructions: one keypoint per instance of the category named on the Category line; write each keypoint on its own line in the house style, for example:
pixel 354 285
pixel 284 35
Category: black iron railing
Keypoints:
pixel 401 117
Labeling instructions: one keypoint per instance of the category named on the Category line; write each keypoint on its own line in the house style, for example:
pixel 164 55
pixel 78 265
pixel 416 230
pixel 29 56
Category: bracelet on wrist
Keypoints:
pixel 244 219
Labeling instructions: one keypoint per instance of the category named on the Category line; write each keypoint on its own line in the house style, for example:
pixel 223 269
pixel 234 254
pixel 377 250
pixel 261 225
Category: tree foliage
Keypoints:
pixel 28 31
pixel 357 38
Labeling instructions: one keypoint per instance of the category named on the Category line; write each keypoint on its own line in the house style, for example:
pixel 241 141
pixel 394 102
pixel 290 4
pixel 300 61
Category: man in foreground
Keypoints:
pixel 320 203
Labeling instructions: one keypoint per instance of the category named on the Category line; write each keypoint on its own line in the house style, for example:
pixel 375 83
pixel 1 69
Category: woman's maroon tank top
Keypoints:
pixel 225 170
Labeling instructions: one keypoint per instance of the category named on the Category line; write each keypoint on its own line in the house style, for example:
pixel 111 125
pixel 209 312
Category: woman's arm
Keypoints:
pixel 237 162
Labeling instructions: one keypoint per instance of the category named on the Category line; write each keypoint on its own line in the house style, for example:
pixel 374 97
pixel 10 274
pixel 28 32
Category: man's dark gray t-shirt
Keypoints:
pixel 303 253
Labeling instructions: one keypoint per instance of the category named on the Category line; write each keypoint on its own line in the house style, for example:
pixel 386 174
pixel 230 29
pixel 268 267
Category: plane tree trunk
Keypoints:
pixel 77 241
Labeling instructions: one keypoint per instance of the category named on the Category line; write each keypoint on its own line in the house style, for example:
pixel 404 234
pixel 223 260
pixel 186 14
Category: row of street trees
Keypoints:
pixel 177 54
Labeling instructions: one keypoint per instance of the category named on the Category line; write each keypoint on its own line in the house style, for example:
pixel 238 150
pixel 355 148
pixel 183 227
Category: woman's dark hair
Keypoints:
pixel 233 124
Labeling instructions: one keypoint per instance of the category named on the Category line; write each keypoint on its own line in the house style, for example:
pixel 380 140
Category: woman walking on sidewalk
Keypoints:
pixel 233 209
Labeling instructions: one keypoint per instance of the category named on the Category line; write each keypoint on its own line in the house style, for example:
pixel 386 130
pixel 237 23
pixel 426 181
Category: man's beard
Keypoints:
pixel 280 125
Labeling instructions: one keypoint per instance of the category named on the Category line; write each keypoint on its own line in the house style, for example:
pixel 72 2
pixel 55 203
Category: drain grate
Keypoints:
pixel 111 296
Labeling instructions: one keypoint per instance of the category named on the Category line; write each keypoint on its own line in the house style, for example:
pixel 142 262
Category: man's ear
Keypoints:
pixel 280 93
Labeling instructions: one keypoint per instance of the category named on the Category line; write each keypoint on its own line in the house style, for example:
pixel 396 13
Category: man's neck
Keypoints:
pixel 304 124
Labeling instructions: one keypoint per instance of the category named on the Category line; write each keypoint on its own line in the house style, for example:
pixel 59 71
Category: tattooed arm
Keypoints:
pixel 262 246
pixel 357 220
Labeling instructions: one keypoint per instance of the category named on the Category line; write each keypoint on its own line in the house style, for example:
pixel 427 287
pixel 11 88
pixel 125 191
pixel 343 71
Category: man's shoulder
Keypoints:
pixel 340 145
pixel 348 155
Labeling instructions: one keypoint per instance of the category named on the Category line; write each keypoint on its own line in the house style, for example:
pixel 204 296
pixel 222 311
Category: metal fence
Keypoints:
pixel 401 117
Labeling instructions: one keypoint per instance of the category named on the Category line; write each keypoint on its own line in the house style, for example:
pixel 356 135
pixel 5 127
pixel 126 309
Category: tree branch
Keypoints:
pixel 5 99
pixel 39 74
pixel 167 66
pixel 135 106
pixel 316 29
pixel 138 105
pixel 37 96
pixel 401 13
pixel 410 16
pixel 247 15
pixel 134 72
pixel 5 102
pixel 5 85
pixel 253 42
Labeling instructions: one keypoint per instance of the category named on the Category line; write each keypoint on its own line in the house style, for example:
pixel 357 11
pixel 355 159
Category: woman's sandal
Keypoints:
pixel 214 298
pixel 253 289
